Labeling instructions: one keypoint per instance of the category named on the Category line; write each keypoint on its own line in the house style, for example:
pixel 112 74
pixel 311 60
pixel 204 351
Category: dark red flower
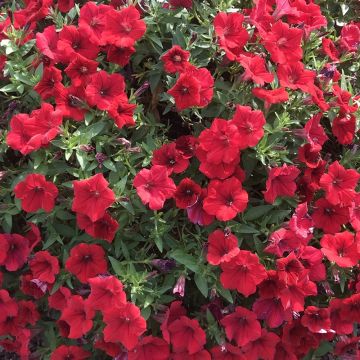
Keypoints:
pixel 197 214
pixel 59 299
pixel 8 306
pixel 64 352
pixel 281 182
pixel 261 348
pixel 343 128
pixel 92 197
pixel 86 261
pixel 290 269
pixel 187 335
pixel 150 348
pixel 282 240
pixel 317 320
pixel 225 199
pixel 14 251
pixel 187 193
pixel 46 42
pixel 110 348
pixel 339 323
pixel 226 352
pixel 169 157
pixel 181 3
pixel 79 70
pixel 330 49
pixel 65 5
pixel 50 83
pixel 154 186
pixel 36 193
pixel 222 247
pixel 78 315
pixel 122 111
pixel 243 272
pixel 124 324
pixel 106 291
pixel 120 54
pixel 241 326
pixel 44 266
pixel 175 60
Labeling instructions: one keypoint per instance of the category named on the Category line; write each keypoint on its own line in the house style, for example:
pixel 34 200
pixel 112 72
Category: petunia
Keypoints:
pixel 59 299
pixel 175 60
pixel 275 96
pixel 150 347
pixel 316 319
pixel 343 128
pixel 69 352
pixel 255 69
pixel 36 193
pixel 14 251
pixel 44 266
pixel 196 212
pixel 168 156
pixel 50 83
pixel 79 70
pixel 187 193
pixel 261 348
pixel 122 111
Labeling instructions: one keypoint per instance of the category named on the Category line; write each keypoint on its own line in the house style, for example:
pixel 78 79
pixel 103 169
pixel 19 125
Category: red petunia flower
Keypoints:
pixel 330 49
pixel 222 247
pixel 225 199
pixel 92 197
pixel 59 299
pixel 226 352
pixel 50 83
pixel 241 326
pixel 14 251
pixel 301 222
pixel 124 324
pixel 187 193
pixel 314 132
pixel 339 184
pixel 282 240
pixel 197 214
pixel 8 306
pixel 283 43
pixel 78 315
pixel 44 266
pixel 343 128
pixel 168 156
pixel 187 4
pixel 79 70
pixel 119 54
pixel 47 41
pixel 290 269
pixel 281 182
pixel 204 77
pixel 355 212
pixel 329 217
pixel 187 335
pixel 110 348
pixel 69 352
pixel 150 348
pixel 250 125
pixel 122 112
pixel 174 312
pixel 103 89
pixel 275 96
pixel 262 347
pixel 105 228
pixel 175 60
pixel 154 186
pixel 86 261
pixel 317 320
pixel 65 5
pixel 243 272
pixel 186 91
pixel 350 37
pixel 36 193
pixel 311 258
pixel 255 69
pixel 310 155
pixel 123 27
pixel 341 248
pixel 106 291
pixel 339 323
pixel 221 142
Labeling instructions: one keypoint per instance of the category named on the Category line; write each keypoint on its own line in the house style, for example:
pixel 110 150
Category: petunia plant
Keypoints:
pixel 179 179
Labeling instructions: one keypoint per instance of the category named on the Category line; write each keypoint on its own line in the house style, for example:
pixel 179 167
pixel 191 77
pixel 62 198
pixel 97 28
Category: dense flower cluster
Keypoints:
pixel 247 214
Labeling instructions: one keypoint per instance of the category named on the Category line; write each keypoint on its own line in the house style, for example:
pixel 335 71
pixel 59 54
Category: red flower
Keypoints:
pixel 339 323
pixel 200 355
pixel 46 42
pixel 221 142
pixel 243 273
pixel 64 352
pixel 123 27
pixel 206 81
pixel 150 348
pixel 255 69
pixel 355 212
pixel 78 315
pixel 104 228
pixel 86 261
pixel 230 32
pixel 250 125
pixel 122 111
pixel 76 40
pixel 261 348
pixel 169 157
pixel 311 258
pixel 283 43
pixel 317 320
pixel 111 349
pixel 197 214
pixel 181 3
pixel 106 291
pixel 343 128
pixel 14 251
pixel 175 60
pixel 275 96
pixel 174 312
pixel 50 83
pixel 329 217
pixel 225 199
pixel 8 306
pixel 65 5
pixel 92 197
pixel 226 352
pixel 241 326
pixel 103 89
pixel 350 37
pixel 310 155
pixel 124 324
pixel 154 186
pixel 290 269
pixel 187 335
pixel 339 184
pixel 330 49
pixel 186 91
pixel 282 240
pixel 59 299
pixel 70 101
pixel 44 267
pixel 222 247
pixel 36 193
pixel 187 193
pixel 79 70
pixel 341 248
pixel 119 54
pixel 281 182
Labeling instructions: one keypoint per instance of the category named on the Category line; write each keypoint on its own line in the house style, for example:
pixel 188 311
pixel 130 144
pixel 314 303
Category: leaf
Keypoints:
pixel 202 284
pixel 256 212
pixel 226 294
pixel 186 259
pixel 244 229
pixel 116 265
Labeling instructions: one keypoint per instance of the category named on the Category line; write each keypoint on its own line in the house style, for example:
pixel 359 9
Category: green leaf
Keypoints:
pixel 186 259
pixel 256 212
pixel 117 267
pixel 202 284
